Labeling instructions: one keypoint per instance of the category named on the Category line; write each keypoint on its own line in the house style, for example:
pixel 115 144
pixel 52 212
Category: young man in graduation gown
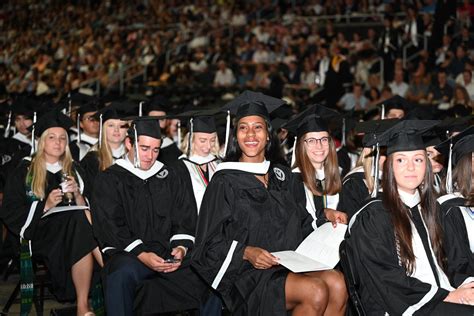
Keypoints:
pixel 87 131
pixel 145 229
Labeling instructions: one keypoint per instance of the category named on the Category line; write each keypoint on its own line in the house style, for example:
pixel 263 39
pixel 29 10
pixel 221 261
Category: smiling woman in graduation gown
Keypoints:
pixel 197 168
pixel 403 274
pixel 63 240
pixel 247 212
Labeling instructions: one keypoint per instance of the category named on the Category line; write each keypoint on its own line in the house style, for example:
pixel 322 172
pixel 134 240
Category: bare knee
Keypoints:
pixel 317 295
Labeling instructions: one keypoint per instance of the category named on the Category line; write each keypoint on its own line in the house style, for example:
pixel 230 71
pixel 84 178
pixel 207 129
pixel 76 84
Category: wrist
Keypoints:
pixel 183 249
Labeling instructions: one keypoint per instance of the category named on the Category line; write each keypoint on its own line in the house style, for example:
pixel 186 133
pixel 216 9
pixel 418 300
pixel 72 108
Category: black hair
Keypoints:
pixel 273 151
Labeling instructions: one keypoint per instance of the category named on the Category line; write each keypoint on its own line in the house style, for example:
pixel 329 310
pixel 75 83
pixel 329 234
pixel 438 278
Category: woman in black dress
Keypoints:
pixel 63 240
pixel 249 211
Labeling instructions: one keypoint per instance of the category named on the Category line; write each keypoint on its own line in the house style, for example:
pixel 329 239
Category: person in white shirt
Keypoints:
pixel 224 76
pixel 398 86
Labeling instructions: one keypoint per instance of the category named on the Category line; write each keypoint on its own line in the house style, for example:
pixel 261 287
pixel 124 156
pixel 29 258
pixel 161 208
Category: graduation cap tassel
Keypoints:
pixel 449 173
pixel 9 122
pixel 136 159
pixel 100 130
pixel 179 134
pixel 376 171
pixel 190 136
pixel 343 141
pixel 69 111
pixel 78 123
pixel 140 109
pixel 33 149
pixel 293 154
pixel 382 116
pixel 227 132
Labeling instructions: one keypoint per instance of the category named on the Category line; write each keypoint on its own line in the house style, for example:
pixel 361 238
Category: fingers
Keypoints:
pixel 265 260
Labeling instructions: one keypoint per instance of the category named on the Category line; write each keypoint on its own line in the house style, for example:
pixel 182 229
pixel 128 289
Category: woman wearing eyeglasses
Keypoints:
pixel 316 164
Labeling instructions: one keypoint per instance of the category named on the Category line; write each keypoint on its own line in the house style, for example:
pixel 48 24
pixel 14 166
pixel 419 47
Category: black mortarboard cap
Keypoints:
pixel 404 136
pixel 117 110
pixel 24 105
pixel 204 124
pixel 92 106
pixel 463 143
pixel 145 126
pixel 314 119
pixel 395 102
pixel 373 129
pixel 157 103
pixel 252 103
pixel 277 123
pixel 451 125
pixel 54 118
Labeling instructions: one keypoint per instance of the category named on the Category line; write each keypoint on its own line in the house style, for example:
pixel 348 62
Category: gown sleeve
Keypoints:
pixel 90 165
pixel 353 196
pixel 456 244
pixel 19 213
pixel 386 281
pixel 183 215
pixel 218 256
pixel 109 218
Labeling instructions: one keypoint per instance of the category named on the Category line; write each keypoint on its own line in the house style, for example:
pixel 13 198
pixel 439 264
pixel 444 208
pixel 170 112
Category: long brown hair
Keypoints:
pixel 37 170
pixel 401 220
pixel 331 169
pixel 462 173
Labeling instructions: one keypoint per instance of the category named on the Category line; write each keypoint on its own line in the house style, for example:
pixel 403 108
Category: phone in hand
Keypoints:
pixel 172 260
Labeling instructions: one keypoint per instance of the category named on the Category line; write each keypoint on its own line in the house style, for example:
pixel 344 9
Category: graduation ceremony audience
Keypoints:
pixel 155 157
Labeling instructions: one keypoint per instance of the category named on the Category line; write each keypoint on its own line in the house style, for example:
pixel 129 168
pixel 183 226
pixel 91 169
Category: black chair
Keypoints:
pixel 351 278
pixel 42 282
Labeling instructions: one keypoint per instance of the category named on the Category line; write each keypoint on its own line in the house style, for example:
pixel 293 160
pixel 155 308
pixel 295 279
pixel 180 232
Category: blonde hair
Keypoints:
pixel 37 170
pixel 308 173
pixel 185 144
pixel 365 161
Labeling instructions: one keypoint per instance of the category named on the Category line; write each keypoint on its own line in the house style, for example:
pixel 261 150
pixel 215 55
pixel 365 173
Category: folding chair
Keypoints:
pixel 351 278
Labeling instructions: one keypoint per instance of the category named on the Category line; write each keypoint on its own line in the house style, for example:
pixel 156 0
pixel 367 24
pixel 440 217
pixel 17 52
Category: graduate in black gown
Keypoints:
pixel 247 212
pixel 141 218
pixel 457 208
pixel 111 145
pixel 87 130
pixel 316 165
pixel 64 240
pixel 396 239
pixel 197 167
pixel 14 148
pixel 359 184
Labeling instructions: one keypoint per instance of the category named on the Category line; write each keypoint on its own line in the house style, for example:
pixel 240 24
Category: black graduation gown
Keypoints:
pixel 456 241
pixel 135 215
pixel 142 214
pixel 60 239
pixel 169 152
pixel 12 151
pixel 238 211
pixel 385 285
pixel 196 182
pixel 354 193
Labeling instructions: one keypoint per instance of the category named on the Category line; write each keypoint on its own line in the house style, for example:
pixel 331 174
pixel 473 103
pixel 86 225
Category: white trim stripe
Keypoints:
pixel 412 309
pixel 181 237
pixel 447 197
pixel 352 221
pixel 468 280
pixel 31 213
pixel 133 245
pixel 107 248
pixel 225 265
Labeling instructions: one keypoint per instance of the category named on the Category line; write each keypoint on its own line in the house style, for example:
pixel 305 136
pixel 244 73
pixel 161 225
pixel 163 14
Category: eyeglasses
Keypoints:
pixel 323 141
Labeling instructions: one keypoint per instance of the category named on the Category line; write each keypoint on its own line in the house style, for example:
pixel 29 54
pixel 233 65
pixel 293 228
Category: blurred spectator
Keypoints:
pixel 354 100
pixel 456 66
pixel 461 97
pixel 388 46
pixel 293 75
pixel 467 82
pixel 418 90
pixel 260 79
pixel 224 77
pixel 308 77
pixel 441 91
pixel 398 86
